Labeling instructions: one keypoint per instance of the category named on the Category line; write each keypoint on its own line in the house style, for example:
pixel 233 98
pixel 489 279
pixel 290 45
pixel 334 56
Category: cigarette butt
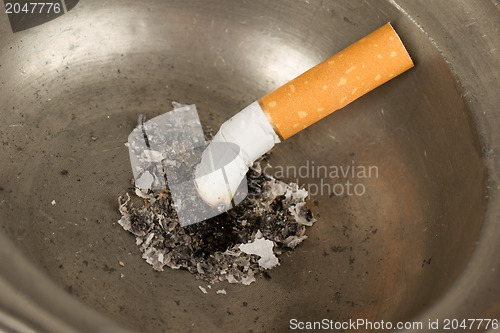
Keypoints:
pixel 336 82
pixel 327 87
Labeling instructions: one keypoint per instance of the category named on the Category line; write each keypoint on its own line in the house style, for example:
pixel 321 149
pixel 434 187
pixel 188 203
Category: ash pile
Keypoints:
pixel 237 246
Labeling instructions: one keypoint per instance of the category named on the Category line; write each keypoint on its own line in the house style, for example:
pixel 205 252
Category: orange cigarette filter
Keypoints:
pixel 336 82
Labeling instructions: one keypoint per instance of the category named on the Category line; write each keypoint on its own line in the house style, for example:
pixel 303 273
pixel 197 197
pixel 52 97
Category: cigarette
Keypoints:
pixel 325 88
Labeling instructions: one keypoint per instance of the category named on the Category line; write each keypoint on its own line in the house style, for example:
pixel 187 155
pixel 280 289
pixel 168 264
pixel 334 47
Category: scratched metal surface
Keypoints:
pixel 421 243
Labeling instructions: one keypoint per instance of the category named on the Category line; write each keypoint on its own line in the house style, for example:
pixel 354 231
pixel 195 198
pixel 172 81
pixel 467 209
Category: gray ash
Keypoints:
pixel 273 210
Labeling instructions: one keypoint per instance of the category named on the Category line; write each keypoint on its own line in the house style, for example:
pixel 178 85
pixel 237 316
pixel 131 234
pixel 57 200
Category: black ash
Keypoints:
pixel 273 211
